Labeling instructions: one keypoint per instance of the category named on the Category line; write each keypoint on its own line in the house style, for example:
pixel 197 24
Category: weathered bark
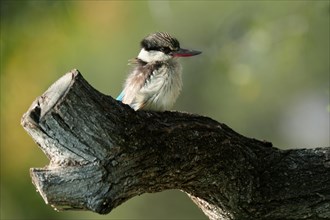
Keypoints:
pixel 103 153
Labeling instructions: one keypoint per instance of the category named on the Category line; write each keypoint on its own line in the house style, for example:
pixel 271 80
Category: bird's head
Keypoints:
pixel 161 46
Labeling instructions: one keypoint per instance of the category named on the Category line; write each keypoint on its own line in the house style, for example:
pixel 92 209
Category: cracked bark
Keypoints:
pixel 103 153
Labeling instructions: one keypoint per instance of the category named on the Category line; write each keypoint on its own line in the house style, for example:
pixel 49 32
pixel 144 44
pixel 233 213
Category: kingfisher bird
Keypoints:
pixel 155 81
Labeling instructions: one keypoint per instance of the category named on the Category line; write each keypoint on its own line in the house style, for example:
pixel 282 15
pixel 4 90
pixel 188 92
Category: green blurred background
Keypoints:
pixel 264 72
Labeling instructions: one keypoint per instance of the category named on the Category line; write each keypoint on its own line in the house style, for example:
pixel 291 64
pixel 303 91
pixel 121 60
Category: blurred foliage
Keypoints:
pixel 264 71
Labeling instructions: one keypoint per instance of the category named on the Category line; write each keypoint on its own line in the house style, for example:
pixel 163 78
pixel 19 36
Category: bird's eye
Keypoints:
pixel 165 50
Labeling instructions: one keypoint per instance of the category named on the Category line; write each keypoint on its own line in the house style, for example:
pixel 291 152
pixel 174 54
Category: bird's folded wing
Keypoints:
pixel 120 97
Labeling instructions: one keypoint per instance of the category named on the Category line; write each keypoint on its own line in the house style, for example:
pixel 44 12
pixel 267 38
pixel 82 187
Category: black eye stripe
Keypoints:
pixel 165 50
pixel 162 49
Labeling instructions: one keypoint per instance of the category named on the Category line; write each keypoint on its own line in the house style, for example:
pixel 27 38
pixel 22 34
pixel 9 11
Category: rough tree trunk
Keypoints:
pixel 103 153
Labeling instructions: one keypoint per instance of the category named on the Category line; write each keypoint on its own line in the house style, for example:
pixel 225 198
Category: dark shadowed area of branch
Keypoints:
pixel 103 153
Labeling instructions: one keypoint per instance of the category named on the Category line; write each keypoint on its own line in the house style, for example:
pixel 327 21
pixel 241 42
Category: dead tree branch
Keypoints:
pixel 103 153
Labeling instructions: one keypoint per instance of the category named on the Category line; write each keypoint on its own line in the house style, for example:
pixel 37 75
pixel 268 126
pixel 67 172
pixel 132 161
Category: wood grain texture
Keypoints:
pixel 103 153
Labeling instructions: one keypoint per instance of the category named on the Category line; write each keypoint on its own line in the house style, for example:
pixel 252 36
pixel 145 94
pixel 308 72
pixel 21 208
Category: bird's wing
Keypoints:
pixel 120 97
pixel 134 93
